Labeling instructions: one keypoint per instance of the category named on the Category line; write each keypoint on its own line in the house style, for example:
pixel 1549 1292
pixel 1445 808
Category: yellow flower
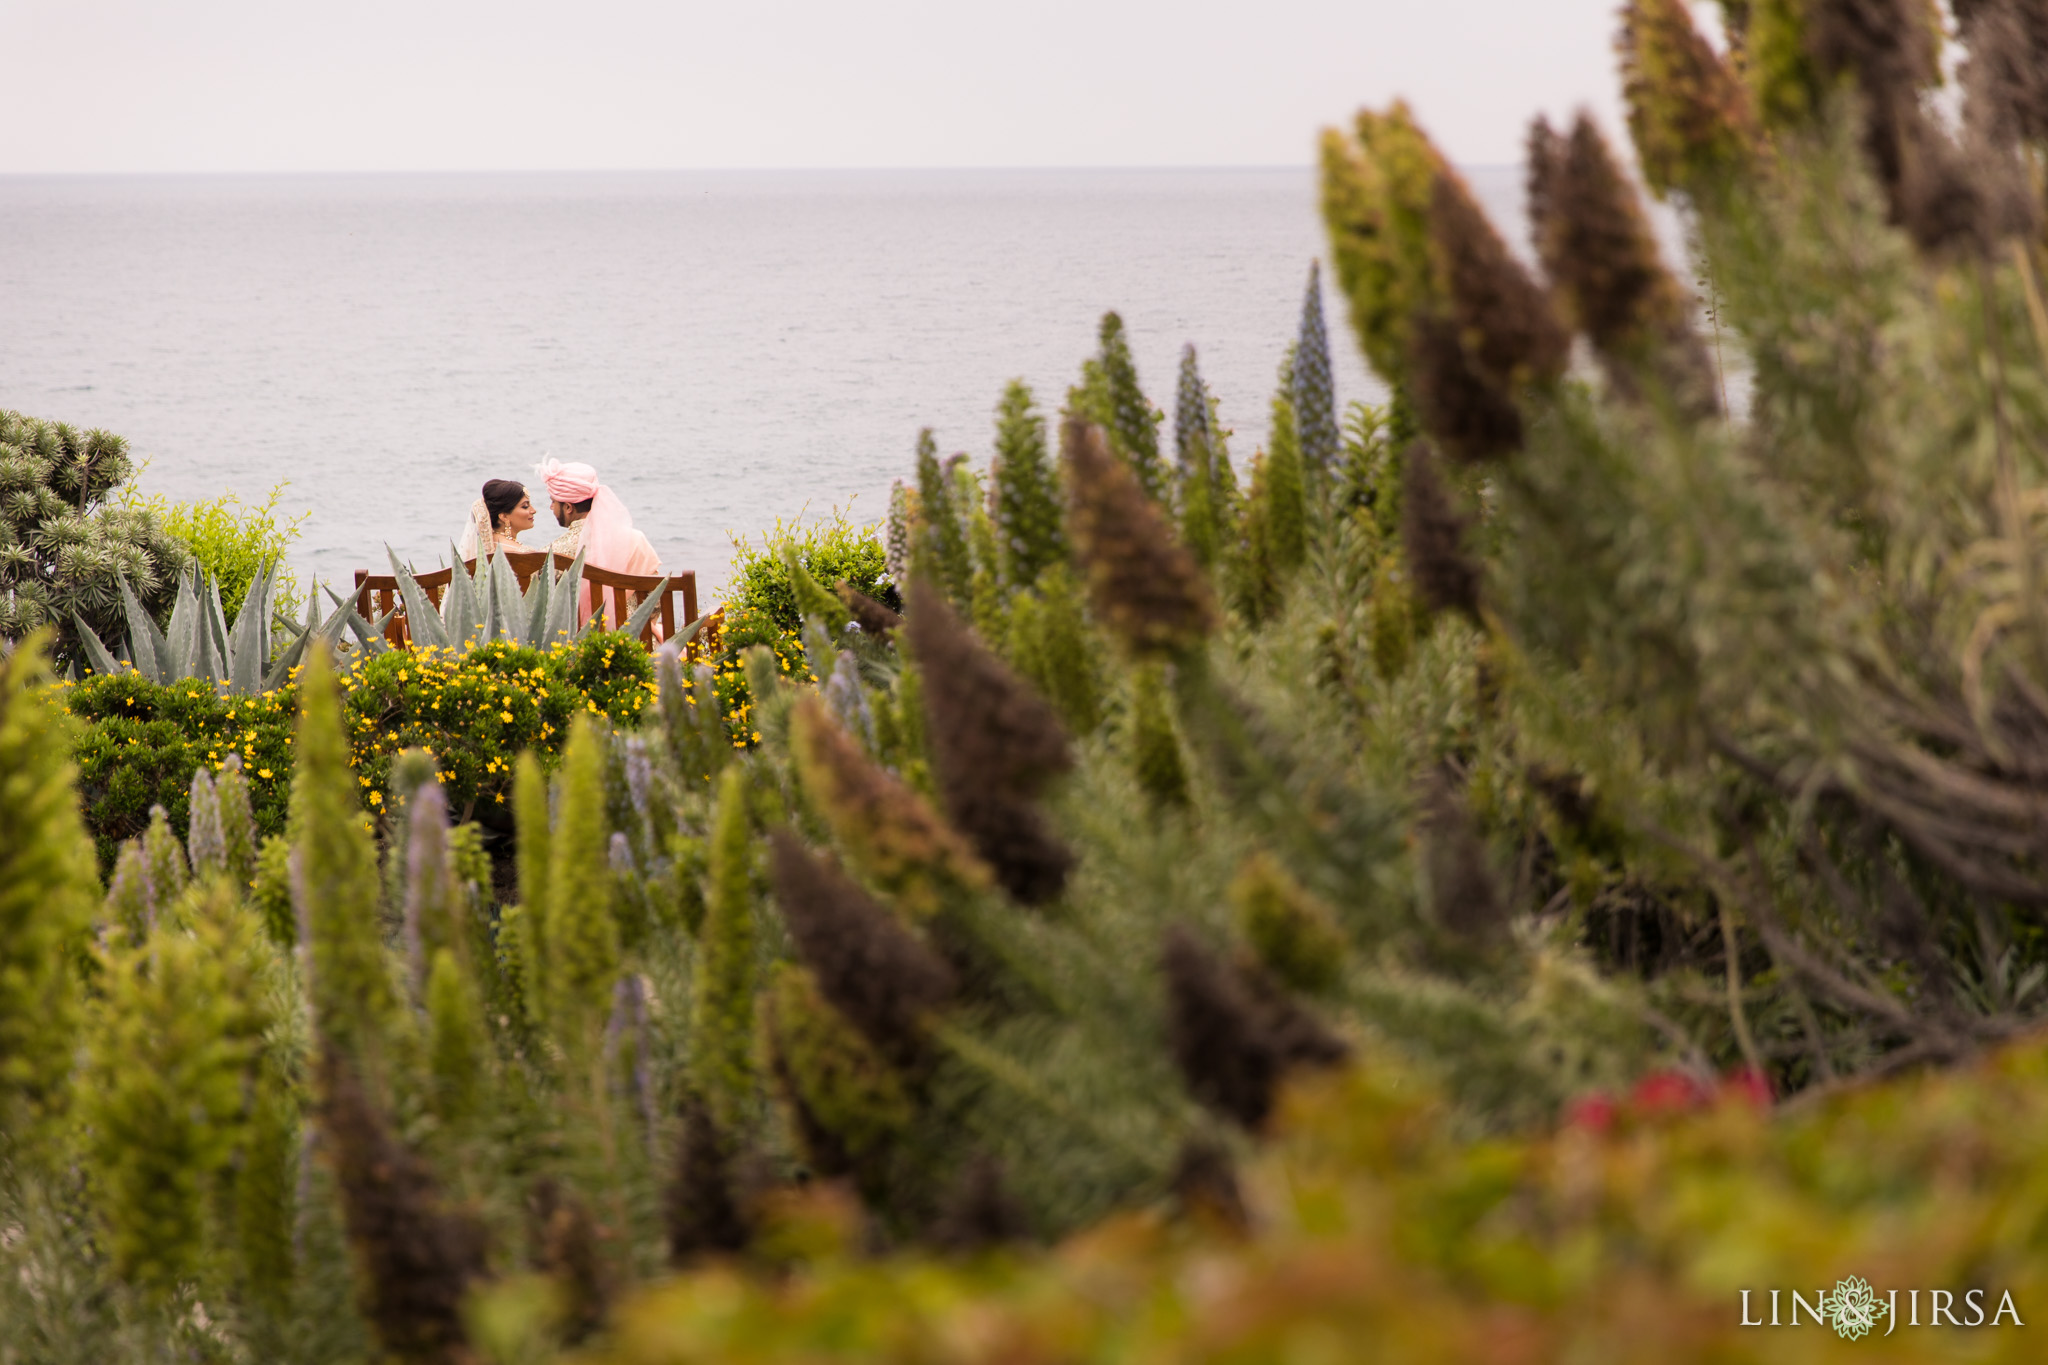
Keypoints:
pixel 263 773
pixel 376 798
pixel 505 716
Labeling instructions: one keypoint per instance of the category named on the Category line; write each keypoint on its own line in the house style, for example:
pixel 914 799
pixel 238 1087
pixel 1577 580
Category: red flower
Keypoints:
pixel 1594 1113
pixel 1748 1085
pixel 1667 1092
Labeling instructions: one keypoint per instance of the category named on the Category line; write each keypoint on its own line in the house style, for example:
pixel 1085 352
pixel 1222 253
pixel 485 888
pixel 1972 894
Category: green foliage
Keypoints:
pixel 140 743
pixel 1418 977
pixel 1026 497
pixel 1109 396
pixel 233 540
pixel 46 893
pixel 1155 749
pixel 1311 395
pixel 1205 514
pixel 64 550
pixel 812 598
pixel 1376 193
pixel 458 1045
pixel 1294 934
pixel 938 545
pixel 1689 115
pixel 536 879
pixel 837 1080
pixel 174 1046
pixel 334 884
pixel 829 549
pixel 580 937
pixel 1050 643
pixel 1274 538
pixel 723 1023
pixel 1378 1221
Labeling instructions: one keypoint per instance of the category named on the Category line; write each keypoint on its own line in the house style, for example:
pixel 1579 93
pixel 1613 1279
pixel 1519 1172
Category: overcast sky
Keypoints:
pixel 283 85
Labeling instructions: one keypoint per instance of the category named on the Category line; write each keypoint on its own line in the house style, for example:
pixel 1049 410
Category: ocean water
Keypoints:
pixel 728 348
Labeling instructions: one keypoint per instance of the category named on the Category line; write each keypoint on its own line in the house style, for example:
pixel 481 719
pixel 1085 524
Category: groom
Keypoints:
pixel 594 521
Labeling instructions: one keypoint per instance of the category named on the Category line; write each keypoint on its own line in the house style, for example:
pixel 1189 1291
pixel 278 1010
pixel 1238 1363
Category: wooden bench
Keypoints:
pixel 378 593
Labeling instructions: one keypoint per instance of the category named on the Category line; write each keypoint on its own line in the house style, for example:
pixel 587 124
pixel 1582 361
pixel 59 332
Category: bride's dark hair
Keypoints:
pixel 501 496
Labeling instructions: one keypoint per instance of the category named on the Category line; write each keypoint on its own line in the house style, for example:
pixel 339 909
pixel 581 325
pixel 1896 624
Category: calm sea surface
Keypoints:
pixel 726 347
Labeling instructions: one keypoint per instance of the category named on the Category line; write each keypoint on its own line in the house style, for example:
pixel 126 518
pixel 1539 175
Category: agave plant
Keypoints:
pixel 488 605
pixel 198 644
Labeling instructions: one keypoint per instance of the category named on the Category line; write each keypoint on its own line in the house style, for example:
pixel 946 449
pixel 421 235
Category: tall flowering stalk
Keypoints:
pixel 48 884
pixel 1310 387
pixel 334 880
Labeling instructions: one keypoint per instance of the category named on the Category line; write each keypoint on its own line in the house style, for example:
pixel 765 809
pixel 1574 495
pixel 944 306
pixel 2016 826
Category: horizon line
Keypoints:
pixel 689 170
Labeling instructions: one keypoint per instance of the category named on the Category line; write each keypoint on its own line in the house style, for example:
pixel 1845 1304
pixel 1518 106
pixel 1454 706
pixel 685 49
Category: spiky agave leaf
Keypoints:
pixel 423 620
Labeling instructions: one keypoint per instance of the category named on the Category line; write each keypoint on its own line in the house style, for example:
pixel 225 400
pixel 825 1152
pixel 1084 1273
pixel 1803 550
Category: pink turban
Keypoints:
pixel 609 538
pixel 567 482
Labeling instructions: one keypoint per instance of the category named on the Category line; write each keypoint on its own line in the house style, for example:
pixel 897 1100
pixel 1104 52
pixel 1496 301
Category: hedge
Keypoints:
pixel 140 743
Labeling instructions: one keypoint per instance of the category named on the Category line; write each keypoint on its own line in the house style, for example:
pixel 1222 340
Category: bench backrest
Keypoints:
pixel 613 594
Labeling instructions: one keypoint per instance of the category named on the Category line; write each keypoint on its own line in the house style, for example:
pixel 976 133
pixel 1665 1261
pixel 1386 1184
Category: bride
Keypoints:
pixel 496 519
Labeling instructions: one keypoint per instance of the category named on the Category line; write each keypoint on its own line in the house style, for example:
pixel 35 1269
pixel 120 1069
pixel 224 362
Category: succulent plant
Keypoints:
pixel 63 550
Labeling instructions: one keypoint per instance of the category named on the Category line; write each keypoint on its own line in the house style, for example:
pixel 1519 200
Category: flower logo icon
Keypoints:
pixel 1853 1308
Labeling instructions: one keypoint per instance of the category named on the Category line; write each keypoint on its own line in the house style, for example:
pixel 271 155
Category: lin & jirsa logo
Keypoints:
pixel 1854 1309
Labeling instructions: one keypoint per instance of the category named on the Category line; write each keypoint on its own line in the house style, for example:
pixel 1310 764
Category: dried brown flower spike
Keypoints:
pixel 1234 1034
pixel 1596 245
pixel 1433 533
pixel 1464 898
pixel 868 966
pixel 1504 319
pixel 874 618
pixel 415 1259
pixel 995 744
pixel 704 1208
pixel 1688 114
pixel 1144 584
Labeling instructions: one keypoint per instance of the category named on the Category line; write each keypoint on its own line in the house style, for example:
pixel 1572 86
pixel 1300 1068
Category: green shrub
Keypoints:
pixel 63 549
pixel 232 540
pixel 1628 1234
pixel 140 743
pixel 830 549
